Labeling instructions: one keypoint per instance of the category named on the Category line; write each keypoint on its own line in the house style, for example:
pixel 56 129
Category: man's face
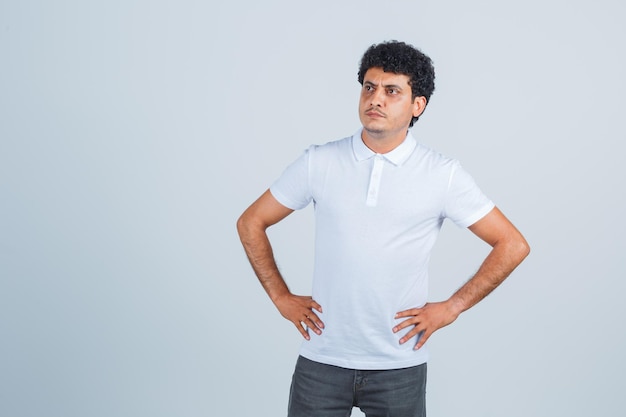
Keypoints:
pixel 386 107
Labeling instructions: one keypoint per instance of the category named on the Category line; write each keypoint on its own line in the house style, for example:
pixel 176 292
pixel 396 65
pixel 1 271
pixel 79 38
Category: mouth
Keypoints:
pixel 374 113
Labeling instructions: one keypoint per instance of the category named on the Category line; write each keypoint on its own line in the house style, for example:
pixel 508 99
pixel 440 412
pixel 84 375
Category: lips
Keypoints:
pixel 374 113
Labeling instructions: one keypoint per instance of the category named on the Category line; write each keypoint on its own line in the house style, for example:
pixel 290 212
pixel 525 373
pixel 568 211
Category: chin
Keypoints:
pixel 373 130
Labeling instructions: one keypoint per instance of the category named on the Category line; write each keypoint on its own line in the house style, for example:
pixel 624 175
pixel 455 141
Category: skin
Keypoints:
pixel 252 226
pixel 509 248
pixel 386 107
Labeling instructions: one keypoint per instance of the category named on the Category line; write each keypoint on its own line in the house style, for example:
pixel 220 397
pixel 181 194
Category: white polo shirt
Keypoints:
pixel 377 218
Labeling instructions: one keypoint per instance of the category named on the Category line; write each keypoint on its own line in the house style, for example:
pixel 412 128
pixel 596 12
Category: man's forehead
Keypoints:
pixel 377 75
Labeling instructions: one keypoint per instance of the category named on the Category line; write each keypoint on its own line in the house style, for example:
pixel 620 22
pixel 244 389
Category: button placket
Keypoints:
pixel 374 185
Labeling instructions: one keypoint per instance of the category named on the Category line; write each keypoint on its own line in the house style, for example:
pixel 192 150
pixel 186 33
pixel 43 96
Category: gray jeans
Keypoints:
pixel 319 390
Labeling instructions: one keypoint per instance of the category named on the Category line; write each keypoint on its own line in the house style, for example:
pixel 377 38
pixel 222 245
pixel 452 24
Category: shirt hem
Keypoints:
pixel 468 221
pixel 284 200
pixel 420 358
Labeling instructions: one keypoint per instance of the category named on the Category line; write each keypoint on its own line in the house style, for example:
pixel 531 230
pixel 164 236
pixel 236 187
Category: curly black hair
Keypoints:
pixel 402 58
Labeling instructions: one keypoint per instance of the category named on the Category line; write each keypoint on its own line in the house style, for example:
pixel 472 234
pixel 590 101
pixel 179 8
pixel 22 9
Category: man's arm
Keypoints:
pixel 509 248
pixel 252 226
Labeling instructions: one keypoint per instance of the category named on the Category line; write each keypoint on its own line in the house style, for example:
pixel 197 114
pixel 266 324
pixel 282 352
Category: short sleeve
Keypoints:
pixel 465 203
pixel 292 189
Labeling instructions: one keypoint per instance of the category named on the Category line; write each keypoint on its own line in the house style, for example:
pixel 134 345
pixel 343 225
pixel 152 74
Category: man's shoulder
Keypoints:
pixel 335 145
pixel 333 148
pixel 434 158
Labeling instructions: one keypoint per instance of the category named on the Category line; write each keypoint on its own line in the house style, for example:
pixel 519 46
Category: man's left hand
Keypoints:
pixel 426 320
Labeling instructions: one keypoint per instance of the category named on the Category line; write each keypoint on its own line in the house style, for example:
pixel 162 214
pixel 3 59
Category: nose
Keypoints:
pixel 377 97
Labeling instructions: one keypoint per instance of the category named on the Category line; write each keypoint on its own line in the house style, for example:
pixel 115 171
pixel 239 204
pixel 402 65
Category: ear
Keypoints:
pixel 419 104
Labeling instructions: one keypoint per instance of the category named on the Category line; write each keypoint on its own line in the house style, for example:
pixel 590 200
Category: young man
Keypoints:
pixel 380 200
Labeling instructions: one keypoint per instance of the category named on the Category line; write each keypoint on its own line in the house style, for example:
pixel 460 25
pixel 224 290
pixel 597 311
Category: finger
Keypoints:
pixel 422 339
pixel 315 320
pixel 406 323
pixel 316 306
pixel 303 330
pixel 411 334
pixel 313 326
pixel 408 313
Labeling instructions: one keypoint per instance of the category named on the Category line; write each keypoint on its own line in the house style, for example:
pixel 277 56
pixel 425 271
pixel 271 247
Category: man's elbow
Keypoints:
pixel 521 248
pixel 243 225
pixel 249 225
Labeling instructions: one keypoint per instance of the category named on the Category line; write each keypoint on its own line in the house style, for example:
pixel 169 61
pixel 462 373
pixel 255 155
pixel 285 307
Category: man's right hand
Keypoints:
pixel 298 309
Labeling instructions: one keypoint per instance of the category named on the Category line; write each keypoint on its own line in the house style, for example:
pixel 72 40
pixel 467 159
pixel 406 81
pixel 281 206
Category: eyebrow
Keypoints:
pixel 384 85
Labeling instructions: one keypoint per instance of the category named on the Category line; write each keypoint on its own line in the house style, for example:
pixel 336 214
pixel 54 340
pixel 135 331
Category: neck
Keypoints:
pixel 382 143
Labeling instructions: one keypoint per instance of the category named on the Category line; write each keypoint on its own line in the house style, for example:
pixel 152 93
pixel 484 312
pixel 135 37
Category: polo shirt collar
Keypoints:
pixel 397 156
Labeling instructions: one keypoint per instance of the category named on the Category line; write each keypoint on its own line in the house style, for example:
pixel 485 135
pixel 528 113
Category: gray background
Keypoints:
pixel 133 134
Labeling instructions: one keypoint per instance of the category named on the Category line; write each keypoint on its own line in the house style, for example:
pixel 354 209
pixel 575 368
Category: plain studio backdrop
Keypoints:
pixel 134 133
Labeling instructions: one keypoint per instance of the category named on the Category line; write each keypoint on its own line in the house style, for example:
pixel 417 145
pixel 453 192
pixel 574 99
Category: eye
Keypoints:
pixel 392 91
